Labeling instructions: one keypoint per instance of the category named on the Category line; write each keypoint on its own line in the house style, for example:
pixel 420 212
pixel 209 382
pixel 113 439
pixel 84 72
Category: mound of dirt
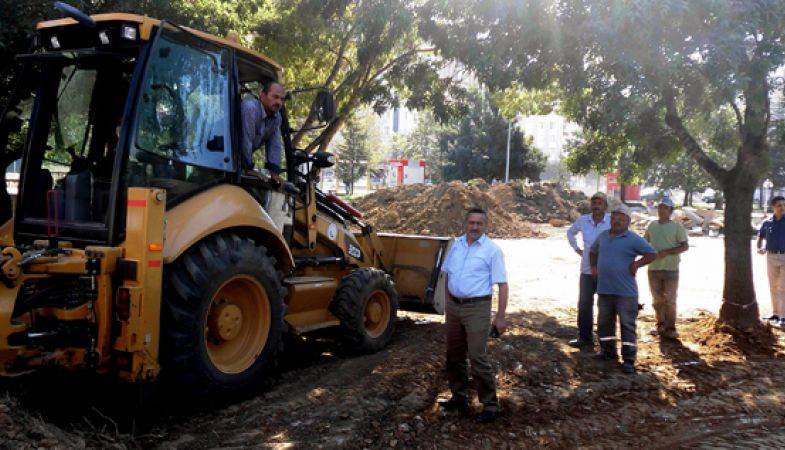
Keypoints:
pixel 439 209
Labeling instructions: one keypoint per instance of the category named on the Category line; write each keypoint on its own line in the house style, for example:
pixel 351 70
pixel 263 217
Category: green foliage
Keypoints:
pixel 356 153
pixel 516 99
pixel 476 147
pixel 635 71
pixel 427 143
pixel 367 52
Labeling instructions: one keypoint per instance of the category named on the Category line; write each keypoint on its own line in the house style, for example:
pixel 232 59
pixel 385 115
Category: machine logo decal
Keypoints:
pixel 332 231
pixel 355 252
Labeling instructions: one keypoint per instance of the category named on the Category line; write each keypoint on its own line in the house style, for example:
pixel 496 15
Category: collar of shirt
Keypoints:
pixel 462 239
pixel 606 219
pixel 610 235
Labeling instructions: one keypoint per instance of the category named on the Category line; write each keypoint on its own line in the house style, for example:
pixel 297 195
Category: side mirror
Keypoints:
pixel 325 106
pixel 322 160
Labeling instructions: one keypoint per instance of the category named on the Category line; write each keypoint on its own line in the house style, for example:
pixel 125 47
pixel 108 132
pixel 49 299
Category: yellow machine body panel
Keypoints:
pixel 146 25
pixel 220 208
pixel 89 272
pixel 415 264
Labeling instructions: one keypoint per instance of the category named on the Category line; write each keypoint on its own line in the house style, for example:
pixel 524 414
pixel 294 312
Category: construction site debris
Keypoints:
pixel 440 209
pixel 698 222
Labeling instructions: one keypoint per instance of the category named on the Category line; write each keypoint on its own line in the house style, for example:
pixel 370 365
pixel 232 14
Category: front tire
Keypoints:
pixel 366 303
pixel 222 317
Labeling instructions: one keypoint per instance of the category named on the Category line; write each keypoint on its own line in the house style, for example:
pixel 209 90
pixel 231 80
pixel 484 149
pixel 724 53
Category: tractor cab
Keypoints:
pixel 123 101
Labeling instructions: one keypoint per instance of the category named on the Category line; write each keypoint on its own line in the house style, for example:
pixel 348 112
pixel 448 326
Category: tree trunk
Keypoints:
pixel 687 198
pixel 739 306
pixel 760 196
pixel 719 201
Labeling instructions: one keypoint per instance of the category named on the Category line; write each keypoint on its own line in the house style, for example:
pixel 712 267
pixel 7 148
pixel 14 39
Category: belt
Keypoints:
pixel 468 300
pixel 776 252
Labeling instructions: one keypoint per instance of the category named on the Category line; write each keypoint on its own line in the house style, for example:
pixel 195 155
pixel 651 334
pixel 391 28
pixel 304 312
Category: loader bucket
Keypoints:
pixel 415 264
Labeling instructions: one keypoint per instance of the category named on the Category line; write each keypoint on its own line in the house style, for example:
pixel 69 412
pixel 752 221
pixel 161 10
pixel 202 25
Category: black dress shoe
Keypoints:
pixel 486 416
pixel 580 343
pixel 454 404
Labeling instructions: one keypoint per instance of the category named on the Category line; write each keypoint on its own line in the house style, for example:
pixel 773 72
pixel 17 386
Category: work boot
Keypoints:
pixel 602 356
pixel 486 416
pixel 628 367
pixel 772 318
pixel 454 404
pixel 580 343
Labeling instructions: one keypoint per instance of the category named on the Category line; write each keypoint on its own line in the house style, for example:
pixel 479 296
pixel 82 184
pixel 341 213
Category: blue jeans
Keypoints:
pixel 588 287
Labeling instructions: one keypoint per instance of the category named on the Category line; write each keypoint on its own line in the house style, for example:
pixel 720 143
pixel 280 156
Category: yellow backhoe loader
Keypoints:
pixel 140 248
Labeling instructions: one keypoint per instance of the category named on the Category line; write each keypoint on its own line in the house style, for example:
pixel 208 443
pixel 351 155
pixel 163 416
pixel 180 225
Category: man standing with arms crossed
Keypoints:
pixel 772 231
pixel 670 240
pixel 589 226
pixel 613 263
pixel 473 265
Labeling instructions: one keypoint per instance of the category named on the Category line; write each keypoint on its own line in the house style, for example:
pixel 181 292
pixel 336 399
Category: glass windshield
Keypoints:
pixel 182 139
pixel 183 112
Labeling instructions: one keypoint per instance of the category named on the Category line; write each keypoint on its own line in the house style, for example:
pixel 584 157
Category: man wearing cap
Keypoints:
pixel 772 231
pixel 613 262
pixel 474 264
pixel 589 226
pixel 670 240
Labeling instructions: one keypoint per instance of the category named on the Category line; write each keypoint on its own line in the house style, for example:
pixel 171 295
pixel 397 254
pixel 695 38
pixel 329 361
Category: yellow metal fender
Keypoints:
pixel 223 207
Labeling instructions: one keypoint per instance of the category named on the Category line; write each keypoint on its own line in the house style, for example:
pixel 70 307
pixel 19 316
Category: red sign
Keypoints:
pixel 612 181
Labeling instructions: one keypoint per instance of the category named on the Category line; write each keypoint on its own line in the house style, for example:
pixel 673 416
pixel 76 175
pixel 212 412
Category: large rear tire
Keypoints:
pixel 222 317
pixel 366 303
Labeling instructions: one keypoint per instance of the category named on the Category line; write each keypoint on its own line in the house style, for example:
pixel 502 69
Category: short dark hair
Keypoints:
pixel 476 210
pixel 268 83
pixel 777 198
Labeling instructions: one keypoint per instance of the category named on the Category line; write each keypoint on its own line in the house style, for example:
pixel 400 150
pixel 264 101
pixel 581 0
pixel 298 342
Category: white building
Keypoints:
pixel 551 133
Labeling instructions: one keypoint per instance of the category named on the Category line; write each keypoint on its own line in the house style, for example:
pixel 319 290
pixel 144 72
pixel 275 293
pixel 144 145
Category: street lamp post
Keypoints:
pixel 507 165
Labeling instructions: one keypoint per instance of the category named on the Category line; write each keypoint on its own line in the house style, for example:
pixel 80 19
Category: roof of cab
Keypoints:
pixel 145 28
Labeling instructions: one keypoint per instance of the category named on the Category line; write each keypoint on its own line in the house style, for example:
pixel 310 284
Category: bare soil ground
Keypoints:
pixel 707 390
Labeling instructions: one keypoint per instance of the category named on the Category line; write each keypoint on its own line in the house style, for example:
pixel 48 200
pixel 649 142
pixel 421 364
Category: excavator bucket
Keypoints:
pixel 415 263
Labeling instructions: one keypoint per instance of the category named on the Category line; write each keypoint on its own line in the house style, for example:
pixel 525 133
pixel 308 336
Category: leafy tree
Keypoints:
pixel 477 147
pixel 683 173
pixel 425 143
pixel 367 52
pixel 635 74
pixel 355 154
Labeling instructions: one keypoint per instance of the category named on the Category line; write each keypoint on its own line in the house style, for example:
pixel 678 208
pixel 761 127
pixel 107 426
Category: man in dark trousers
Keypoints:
pixel 589 226
pixel 772 232
pixel 473 265
pixel 613 262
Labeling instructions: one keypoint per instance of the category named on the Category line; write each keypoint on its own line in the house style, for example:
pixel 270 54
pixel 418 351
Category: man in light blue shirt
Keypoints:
pixel 613 262
pixel 589 226
pixel 473 265
pixel 261 122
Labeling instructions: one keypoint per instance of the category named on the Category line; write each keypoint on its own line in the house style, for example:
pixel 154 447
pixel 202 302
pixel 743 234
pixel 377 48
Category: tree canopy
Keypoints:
pixel 634 75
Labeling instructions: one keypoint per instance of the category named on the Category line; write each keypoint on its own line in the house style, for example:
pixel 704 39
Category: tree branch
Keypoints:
pixel 739 119
pixel 400 58
pixel 693 148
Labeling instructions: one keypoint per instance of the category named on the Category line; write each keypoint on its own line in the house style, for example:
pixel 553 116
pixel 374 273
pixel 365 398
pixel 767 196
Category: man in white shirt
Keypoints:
pixel 589 226
pixel 473 266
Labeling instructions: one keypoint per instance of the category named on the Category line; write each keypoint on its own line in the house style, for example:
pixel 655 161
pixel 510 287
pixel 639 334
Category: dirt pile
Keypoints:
pixel 439 209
